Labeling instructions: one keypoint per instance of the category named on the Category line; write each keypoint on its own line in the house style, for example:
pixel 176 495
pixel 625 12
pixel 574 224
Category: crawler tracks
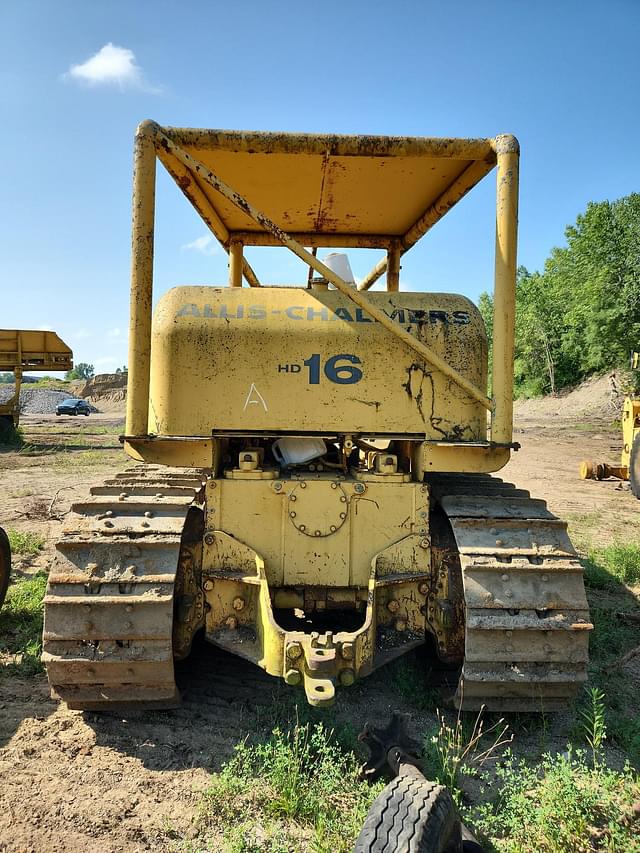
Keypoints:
pixel 526 613
pixel 110 599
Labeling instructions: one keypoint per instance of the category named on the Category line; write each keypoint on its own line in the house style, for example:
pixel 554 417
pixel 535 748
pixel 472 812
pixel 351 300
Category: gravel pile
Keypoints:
pixel 37 401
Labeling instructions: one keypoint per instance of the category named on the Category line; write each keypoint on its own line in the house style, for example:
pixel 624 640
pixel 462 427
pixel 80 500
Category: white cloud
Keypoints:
pixel 111 66
pixel 206 245
pixel 114 333
pixel 81 334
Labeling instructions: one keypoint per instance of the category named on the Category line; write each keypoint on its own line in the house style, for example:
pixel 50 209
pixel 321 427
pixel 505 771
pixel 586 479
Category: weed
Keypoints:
pixel 594 722
pixel 607 567
pixel 21 624
pixel 560 805
pixel 455 749
pixel 26 544
pixel 296 790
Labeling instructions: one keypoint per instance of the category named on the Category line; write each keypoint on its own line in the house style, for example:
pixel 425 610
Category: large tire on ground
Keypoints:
pixel 411 815
pixel 634 466
pixel 5 564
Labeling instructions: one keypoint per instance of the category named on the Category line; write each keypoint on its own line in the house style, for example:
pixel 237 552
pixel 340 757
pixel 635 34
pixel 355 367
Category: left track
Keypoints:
pixel 109 605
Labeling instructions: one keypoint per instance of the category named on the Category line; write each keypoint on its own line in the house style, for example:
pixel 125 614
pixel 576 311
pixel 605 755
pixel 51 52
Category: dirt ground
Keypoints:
pixel 84 782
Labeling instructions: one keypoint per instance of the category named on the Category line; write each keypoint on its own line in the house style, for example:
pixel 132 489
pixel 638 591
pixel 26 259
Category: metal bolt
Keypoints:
pixel 346 650
pixel 212 485
pixel 128 625
pixel 122 496
pixel 318 533
pixel 343 499
pixel 424 543
pixel 277 487
pixel 302 528
pixel 293 498
pixel 303 485
pixel 545 577
pixel 209 539
pixel 159 495
pixel 148 514
pixel 505 577
pixel 499 542
pixel 508 633
pixel 109 513
pixel 293 676
pixel 294 650
pixel 143 524
pixel 423 588
pixel 401 625
pixel 208 585
pixel 359 488
pixel 393 606
pixel 508 594
pixel 333 528
pixel 334 485
pixel 238 603
pixel 108 523
pixel 129 608
pixel 343 515
pixel 231 622
pixel 347 677
pixel 493 531
pixel 508 648
pixel 292 515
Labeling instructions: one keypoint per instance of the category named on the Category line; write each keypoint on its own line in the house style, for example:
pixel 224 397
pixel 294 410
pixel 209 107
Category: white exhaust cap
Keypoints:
pixel 338 263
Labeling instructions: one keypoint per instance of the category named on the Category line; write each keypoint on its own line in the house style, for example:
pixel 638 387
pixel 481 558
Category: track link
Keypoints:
pixel 526 614
pixel 108 622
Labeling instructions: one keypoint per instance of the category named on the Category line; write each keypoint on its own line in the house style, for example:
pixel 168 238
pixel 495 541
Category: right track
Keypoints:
pixel 526 614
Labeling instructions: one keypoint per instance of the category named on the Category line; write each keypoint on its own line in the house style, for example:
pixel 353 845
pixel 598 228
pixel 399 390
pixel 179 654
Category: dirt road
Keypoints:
pixel 83 782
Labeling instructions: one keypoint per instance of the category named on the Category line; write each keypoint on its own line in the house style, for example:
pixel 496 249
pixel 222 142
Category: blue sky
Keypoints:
pixel 563 76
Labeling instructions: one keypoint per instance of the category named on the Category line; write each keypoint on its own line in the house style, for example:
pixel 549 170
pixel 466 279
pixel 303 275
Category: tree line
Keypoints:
pixel 581 314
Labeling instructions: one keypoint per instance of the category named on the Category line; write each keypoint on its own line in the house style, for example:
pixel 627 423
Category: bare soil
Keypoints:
pixel 85 782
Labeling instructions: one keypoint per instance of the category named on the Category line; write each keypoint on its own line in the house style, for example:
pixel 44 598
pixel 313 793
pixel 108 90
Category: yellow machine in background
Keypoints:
pixel 21 350
pixel 629 468
pixel 31 350
pixel 313 489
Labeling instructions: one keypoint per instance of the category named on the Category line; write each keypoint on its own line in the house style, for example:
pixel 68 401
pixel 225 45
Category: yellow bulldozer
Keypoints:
pixel 629 467
pixel 313 487
pixel 20 350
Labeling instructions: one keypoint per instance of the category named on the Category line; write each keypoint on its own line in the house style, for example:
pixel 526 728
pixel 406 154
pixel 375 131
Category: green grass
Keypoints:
pixel 25 544
pixel 21 624
pixel 606 568
pixel 410 678
pixel 563 804
pixel 297 790
pixel 10 437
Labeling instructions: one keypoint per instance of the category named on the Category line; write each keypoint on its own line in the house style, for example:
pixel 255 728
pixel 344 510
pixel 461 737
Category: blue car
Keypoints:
pixel 72 406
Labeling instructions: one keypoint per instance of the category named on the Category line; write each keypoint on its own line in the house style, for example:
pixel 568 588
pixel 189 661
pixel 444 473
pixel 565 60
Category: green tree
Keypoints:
pixel 80 371
pixel 581 315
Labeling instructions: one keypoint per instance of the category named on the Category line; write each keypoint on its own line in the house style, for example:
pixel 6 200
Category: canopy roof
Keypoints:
pixel 342 190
